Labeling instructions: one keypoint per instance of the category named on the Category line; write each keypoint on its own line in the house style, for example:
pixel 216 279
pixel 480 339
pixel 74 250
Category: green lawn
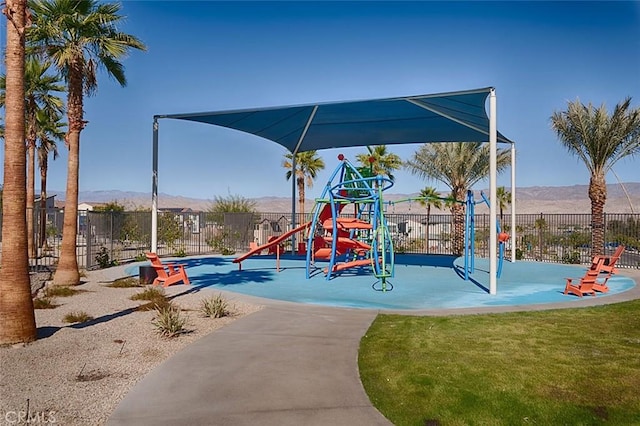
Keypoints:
pixel 559 367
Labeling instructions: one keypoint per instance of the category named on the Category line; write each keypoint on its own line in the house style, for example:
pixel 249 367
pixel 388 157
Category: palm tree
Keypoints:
pixel 49 131
pixel 599 140
pixel 429 197
pixel 38 88
pixel 541 225
pixel 39 85
pixel 78 37
pixel 308 164
pixel 459 165
pixel 504 199
pixel 16 306
pixel 381 161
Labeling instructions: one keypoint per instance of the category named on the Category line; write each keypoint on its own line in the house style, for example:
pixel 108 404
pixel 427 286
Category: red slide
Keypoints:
pixel 326 211
pixel 272 243
pixel 351 264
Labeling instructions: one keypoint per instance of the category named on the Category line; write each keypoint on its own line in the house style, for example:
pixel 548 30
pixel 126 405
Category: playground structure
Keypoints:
pixel 360 239
pixel 345 242
pixel 348 242
pixel 470 236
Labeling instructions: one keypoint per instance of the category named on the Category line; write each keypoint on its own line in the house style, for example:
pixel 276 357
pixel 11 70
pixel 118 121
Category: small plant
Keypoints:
pixel 140 257
pixel 79 316
pixel 155 304
pixel 149 293
pixel 181 252
pixel 44 303
pixel 215 307
pixel 572 258
pixel 103 259
pixel 217 243
pixel 169 321
pixel 156 297
pixel 59 291
pixel 125 283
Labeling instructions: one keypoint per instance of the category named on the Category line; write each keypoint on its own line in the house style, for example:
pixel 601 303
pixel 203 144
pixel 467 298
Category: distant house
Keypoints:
pixel 85 207
pixel 189 218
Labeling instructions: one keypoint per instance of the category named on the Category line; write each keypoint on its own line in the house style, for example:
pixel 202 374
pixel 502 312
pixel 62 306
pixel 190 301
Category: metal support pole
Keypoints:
pixel 493 229
pixel 154 189
pixel 513 203
pixel 293 202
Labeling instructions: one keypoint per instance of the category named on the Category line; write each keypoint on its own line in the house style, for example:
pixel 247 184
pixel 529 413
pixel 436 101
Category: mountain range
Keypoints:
pixel 621 198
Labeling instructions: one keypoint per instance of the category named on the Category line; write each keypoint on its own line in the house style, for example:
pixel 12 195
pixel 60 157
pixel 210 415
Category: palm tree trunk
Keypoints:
pixel 426 250
pixel 43 204
pixel 598 196
pixel 16 306
pixel 67 271
pixel 31 184
pixel 301 195
pixel 458 229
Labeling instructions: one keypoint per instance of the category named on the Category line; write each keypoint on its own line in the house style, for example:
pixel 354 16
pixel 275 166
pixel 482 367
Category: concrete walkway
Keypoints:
pixel 288 364
pixel 283 365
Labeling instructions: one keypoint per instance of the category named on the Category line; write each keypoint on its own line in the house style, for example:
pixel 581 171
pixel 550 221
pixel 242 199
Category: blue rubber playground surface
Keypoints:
pixel 420 282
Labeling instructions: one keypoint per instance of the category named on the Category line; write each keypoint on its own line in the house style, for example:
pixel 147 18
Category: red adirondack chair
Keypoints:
pixel 169 273
pixel 608 262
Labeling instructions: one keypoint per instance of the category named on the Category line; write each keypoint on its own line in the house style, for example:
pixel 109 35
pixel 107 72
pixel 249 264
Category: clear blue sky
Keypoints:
pixel 208 56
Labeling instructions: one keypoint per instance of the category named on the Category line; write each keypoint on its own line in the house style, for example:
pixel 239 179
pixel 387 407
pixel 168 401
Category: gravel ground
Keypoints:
pixel 77 374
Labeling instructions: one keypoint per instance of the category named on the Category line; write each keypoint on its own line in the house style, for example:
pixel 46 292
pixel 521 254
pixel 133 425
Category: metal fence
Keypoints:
pixel 107 238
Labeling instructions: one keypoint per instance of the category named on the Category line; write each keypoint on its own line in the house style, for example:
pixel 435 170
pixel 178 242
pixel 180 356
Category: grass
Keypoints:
pixel 215 307
pixel 572 366
pixel 169 321
pixel 150 293
pixel 59 291
pixel 79 316
pixel 156 298
pixel 44 303
pixel 128 282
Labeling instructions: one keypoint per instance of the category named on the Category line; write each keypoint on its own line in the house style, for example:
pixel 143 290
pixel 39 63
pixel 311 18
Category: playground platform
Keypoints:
pixel 288 364
pixel 420 282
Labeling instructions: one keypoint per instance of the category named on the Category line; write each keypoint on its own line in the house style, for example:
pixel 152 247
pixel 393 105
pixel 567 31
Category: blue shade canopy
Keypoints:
pixel 444 117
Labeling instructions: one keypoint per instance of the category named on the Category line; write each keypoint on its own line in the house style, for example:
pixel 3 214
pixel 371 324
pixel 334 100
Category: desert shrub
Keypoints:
pixel 218 243
pixel 215 307
pixel 155 304
pixel 125 283
pixel 572 257
pixel 169 229
pixel 44 303
pixel 229 204
pixel 149 293
pixel 103 259
pixel 60 291
pixel 79 316
pixel 169 321
pixel 156 298
pixel 519 254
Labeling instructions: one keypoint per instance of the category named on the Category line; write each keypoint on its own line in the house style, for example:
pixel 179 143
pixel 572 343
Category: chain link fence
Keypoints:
pixel 108 238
